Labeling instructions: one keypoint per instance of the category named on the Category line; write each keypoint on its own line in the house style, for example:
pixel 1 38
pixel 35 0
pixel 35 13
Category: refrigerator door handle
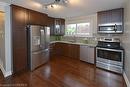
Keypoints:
pixel 42 38
pixel 46 50
pixel 38 52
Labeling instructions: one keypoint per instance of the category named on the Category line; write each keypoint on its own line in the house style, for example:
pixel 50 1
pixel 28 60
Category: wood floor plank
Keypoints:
pixel 65 72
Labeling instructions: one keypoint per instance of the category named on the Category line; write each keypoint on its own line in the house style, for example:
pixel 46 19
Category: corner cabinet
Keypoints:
pixel 57 26
pixel 64 49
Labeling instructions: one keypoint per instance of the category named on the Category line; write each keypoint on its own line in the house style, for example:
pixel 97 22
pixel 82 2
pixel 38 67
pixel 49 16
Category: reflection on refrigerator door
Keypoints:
pixel 42 39
pixel 47 32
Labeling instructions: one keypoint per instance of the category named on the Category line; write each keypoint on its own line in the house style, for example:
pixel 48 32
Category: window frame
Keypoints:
pixel 79 35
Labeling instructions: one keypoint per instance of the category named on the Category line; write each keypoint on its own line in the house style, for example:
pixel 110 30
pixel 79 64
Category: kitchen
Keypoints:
pixel 60 49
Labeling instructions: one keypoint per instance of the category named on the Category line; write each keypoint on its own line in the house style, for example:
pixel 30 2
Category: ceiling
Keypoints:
pixel 73 9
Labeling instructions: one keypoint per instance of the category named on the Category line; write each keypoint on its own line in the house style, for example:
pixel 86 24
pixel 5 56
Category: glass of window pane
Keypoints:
pixel 83 29
pixel 70 29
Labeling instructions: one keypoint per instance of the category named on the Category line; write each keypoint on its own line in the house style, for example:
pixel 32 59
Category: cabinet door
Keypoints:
pixel 50 23
pixel 110 16
pixel 117 15
pixel 74 51
pixel 19 49
pixel 62 26
pixel 19 16
pixel 59 26
pixel 57 29
pixel 60 49
pixel 35 17
pixel 102 17
pixel 52 50
pixel 64 49
pixel 57 49
pixel 44 19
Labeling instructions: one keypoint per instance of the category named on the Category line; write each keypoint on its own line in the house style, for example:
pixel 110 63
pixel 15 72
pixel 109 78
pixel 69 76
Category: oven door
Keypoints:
pixel 109 56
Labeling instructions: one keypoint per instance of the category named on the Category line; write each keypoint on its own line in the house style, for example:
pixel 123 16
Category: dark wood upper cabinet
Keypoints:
pixel 117 15
pixel 19 16
pixel 50 23
pixel 57 26
pixel 44 19
pixel 37 18
pixel 110 16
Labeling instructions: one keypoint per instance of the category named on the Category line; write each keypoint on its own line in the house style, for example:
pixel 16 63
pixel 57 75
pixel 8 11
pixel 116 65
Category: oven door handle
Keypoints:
pixel 109 49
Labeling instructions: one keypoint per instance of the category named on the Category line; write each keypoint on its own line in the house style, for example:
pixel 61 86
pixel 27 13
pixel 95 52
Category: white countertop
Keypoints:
pixel 77 43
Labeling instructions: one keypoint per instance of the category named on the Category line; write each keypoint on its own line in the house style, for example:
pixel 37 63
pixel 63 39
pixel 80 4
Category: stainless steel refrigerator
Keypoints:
pixel 38 45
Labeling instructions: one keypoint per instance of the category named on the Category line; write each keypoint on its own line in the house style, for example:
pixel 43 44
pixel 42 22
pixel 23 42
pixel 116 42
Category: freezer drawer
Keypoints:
pixel 38 58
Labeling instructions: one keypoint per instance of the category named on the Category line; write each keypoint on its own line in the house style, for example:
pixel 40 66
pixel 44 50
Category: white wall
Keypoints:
pixel 6 68
pixel 126 41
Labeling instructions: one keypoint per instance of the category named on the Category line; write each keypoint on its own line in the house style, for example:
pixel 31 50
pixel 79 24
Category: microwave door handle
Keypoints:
pixel 115 27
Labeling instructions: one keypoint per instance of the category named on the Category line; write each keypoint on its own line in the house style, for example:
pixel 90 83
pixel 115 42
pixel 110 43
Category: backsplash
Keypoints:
pixel 86 40
pixel 55 38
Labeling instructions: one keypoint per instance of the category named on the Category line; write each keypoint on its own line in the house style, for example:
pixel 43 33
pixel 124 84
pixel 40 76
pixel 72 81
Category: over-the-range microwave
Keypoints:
pixel 116 28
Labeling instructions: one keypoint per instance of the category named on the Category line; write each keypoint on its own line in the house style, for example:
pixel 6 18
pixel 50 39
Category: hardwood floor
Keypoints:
pixel 64 72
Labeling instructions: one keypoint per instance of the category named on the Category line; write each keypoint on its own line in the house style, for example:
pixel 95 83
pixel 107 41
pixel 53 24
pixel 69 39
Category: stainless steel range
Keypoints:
pixel 110 55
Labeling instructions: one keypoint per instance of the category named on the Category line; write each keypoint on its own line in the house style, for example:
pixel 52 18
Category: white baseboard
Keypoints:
pixel 6 74
pixel 126 80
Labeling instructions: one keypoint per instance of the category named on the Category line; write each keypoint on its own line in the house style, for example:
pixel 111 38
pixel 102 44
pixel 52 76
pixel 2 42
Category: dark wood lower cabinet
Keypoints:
pixel 74 51
pixel 64 49
pixel 19 49
pixel 56 49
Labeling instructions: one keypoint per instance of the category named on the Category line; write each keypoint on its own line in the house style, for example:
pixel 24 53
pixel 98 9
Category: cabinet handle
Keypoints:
pixel 115 28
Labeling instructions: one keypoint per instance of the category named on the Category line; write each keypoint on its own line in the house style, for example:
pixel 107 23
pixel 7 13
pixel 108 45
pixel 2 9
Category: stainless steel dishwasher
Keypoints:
pixel 87 53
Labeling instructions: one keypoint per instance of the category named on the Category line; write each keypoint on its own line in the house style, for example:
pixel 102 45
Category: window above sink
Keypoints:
pixel 78 29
